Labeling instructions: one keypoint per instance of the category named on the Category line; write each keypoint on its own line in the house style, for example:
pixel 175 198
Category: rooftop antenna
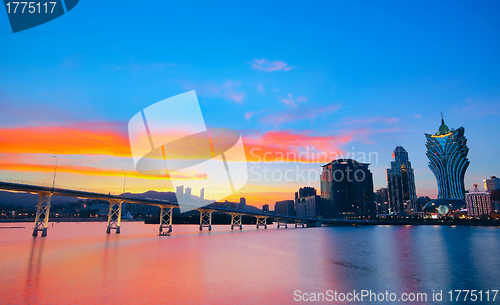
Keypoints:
pixel 442 118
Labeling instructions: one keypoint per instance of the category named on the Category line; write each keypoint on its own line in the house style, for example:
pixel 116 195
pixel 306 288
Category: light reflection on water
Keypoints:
pixel 79 264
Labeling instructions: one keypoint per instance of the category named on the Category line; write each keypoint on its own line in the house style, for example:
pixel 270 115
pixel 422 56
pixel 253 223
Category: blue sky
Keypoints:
pixel 379 71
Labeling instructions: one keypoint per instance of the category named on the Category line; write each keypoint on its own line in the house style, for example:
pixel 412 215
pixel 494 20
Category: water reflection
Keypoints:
pixel 34 272
pixel 82 264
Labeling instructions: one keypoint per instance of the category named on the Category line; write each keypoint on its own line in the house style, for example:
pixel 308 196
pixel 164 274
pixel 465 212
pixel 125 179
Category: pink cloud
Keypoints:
pixel 269 66
pixel 286 145
pixel 248 115
pixel 369 121
pixel 289 101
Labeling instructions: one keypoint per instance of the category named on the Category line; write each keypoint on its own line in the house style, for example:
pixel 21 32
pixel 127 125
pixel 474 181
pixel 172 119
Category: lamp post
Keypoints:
pixel 124 181
pixel 54 180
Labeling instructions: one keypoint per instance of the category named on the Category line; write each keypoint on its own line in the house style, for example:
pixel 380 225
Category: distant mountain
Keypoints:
pixel 170 196
pixel 29 200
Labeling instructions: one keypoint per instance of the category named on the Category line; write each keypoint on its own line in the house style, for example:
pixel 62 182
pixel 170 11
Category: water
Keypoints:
pixel 77 263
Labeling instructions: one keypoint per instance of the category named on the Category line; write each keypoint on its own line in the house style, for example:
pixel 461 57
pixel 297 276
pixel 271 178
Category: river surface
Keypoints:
pixel 78 263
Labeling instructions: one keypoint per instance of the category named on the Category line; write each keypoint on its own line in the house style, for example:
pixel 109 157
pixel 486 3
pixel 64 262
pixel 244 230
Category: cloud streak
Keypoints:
pixel 269 65
pixel 93 171
pixel 229 90
pixel 298 113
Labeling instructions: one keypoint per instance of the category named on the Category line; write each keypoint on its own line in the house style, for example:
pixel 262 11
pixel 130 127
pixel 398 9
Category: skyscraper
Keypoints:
pixel 202 196
pixel 179 193
pixel 187 195
pixel 401 183
pixel 347 187
pixel 447 152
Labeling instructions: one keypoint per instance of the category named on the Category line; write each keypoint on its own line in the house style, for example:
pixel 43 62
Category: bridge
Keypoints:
pixel 166 207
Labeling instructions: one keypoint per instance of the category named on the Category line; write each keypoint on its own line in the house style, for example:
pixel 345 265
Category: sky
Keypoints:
pixel 345 78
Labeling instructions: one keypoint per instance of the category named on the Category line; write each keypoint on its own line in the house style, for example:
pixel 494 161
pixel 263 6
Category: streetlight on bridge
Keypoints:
pixel 54 180
pixel 124 181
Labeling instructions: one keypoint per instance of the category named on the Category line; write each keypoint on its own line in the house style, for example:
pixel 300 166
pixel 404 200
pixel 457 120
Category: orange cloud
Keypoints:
pixel 92 171
pixel 91 138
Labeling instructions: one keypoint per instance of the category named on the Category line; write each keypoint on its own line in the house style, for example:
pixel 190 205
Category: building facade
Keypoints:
pixel 491 184
pixel 179 193
pixel 347 188
pixel 307 203
pixel 478 203
pixel 265 208
pixel 401 183
pixel 447 153
pixel 284 208
pixel 382 200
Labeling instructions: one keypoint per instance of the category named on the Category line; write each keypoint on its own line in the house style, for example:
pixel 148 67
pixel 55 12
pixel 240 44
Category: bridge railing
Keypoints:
pixel 57 185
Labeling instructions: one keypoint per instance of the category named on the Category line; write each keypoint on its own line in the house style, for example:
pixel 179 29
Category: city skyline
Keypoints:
pixel 73 98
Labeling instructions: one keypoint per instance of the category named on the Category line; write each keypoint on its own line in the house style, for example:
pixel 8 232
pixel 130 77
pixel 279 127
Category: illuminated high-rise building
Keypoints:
pixel 478 203
pixel 447 152
pixel 401 183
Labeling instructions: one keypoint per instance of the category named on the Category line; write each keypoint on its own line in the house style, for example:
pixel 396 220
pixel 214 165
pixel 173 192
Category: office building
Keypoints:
pixel 305 191
pixel 187 195
pixel 284 208
pixel 491 184
pixel 422 200
pixel 243 203
pixel 179 193
pixel 478 203
pixel 347 188
pixel 202 196
pixel 382 200
pixel 447 153
pixel 401 183
pixel 265 208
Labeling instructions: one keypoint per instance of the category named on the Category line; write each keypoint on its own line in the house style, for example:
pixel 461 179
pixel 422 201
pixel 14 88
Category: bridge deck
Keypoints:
pixel 8 186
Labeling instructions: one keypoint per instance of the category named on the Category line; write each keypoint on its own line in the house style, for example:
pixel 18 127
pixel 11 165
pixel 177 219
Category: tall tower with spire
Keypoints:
pixel 447 153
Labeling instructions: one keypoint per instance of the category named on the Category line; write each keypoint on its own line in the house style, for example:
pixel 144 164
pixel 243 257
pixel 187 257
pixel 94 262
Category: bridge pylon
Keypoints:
pixel 165 220
pixel 42 214
pixel 236 220
pixel 206 219
pixel 261 221
pixel 282 222
pixel 300 222
pixel 114 216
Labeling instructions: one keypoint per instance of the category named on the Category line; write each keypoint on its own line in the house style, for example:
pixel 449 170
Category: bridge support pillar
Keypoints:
pixel 236 220
pixel 42 214
pixel 206 219
pixel 300 222
pixel 261 221
pixel 114 216
pixel 282 222
pixel 165 220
